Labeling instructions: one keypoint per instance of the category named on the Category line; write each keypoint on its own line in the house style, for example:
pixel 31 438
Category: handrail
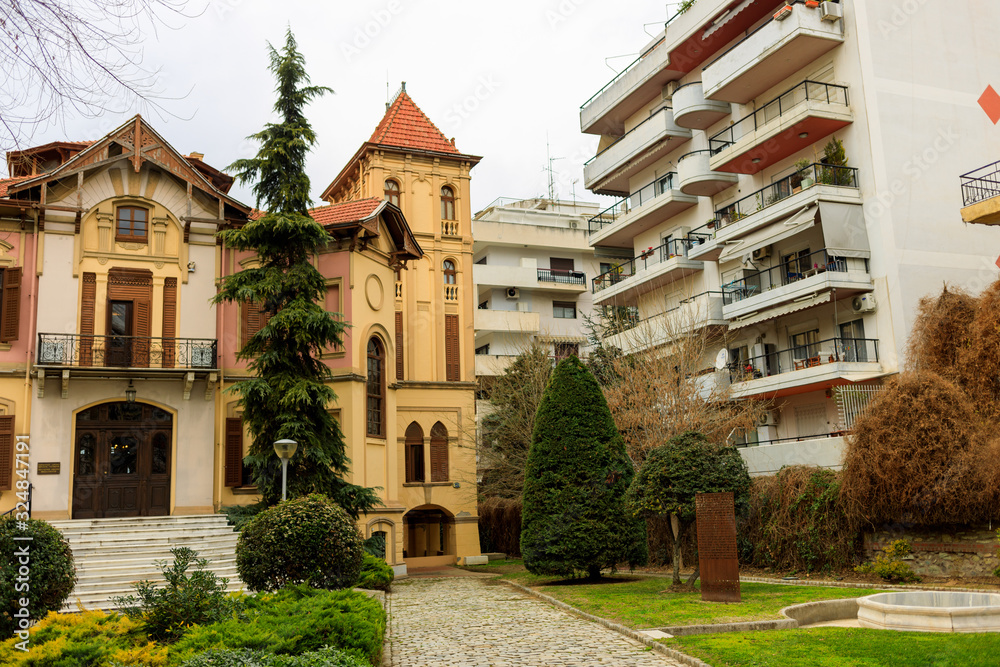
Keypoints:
pixel 13 509
pixel 786 273
pixel 807 355
pixel 562 276
pixel 622 73
pixel 109 351
pixel 661 253
pixel 766 111
pixel 977 186
pixel 632 201
pixel 823 174
pixel 615 142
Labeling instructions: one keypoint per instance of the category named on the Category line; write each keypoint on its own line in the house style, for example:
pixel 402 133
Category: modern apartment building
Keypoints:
pixel 785 173
pixel 532 270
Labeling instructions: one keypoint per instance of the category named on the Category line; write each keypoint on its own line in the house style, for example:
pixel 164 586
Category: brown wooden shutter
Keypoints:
pixel 253 320
pixel 11 322
pixel 439 453
pixel 399 346
pixel 87 319
pixel 141 342
pixel 451 356
pixel 169 320
pixel 560 264
pixel 6 452
pixel 234 451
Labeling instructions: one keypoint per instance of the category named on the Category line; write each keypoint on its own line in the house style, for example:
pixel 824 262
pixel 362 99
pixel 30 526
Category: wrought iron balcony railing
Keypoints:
pixel 649 257
pixel 980 184
pixel 816 173
pixel 562 276
pixel 79 351
pixel 643 195
pixel 807 355
pixel 791 269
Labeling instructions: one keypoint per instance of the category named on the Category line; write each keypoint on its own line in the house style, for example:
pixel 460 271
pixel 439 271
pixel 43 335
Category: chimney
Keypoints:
pixel 197 156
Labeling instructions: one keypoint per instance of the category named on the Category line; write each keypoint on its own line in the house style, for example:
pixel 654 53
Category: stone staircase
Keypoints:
pixel 112 554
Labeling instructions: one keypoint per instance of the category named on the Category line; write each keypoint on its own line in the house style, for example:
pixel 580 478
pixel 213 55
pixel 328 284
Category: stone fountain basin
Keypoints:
pixel 931 611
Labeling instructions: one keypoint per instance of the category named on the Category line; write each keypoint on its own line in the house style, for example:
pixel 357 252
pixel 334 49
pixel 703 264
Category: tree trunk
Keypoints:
pixel 593 571
pixel 677 554
pixel 694 575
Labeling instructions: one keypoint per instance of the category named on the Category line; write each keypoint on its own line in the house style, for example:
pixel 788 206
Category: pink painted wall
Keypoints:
pixel 25 343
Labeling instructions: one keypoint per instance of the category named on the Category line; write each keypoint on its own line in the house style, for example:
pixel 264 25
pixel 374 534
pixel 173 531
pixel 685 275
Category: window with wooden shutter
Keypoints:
pixel 399 346
pixel 413 446
pixel 88 299
pixel 10 311
pixel 169 320
pixel 375 388
pixel 135 286
pixel 439 453
pixel 453 371
pixel 253 320
pixel 6 452
pixel 234 451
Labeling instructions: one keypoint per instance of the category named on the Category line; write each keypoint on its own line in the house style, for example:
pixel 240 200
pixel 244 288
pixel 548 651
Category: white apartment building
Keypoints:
pixel 533 268
pixel 737 218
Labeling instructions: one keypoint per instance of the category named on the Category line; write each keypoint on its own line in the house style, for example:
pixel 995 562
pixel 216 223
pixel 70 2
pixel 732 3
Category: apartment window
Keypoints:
pixel 565 310
pixel 392 192
pixel 483 349
pixel 375 388
pixel 795 265
pixel 413 447
pixel 10 304
pixel 131 224
pixel 852 341
pixel 804 345
pixel 481 260
pixel 560 264
pixel 449 272
pixel 447 203
pixel 563 350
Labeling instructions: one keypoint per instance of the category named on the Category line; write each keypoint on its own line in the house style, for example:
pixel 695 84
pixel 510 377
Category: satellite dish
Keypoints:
pixel 721 359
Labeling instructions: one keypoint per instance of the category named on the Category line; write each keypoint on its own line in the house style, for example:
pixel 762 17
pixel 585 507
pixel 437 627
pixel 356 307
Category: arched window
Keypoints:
pixel 131 224
pixel 392 192
pixel 447 203
pixel 439 453
pixel 449 272
pixel 414 446
pixel 375 387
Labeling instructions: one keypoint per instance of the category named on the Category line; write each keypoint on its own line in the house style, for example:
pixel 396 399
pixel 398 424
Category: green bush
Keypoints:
pixel 375 545
pixel 325 657
pixel 239 515
pixel 50 577
pixel 573 517
pixel 306 540
pixel 375 574
pixel 195 599
pixel 889 564
pixel 292 621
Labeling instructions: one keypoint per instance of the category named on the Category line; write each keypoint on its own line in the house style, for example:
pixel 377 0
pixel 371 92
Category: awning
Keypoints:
pixel 772 233
pixel 563 339
pixel 778 311
pixel 728 16
pixel 844 230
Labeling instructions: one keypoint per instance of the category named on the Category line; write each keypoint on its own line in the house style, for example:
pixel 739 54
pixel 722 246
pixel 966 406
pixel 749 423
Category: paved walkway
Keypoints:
pixel 467 622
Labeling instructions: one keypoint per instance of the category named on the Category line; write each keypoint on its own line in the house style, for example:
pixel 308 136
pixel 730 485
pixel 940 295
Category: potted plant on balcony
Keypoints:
pixel 833 171
pixel 647 253
pixel 803 175
pixel 711 223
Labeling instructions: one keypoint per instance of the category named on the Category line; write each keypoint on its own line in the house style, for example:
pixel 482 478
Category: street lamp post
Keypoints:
pixel 285 449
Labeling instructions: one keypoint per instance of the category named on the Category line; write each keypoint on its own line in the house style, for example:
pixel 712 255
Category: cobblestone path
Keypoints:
pixel 469 623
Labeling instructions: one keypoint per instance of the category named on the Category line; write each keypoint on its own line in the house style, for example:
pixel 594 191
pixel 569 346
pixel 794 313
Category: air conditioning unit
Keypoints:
pixel 831 11
pixel 52 352
pixel 769 418
pixel 864 303
pixel 513 294
pixel 762 253
pixel 573 224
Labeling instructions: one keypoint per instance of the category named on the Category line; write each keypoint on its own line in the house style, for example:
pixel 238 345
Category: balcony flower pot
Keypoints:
pixel 812 4
pixel 807 182
pixel 783 13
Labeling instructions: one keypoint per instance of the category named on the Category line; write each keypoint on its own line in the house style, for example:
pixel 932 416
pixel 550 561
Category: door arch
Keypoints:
pixel 121 457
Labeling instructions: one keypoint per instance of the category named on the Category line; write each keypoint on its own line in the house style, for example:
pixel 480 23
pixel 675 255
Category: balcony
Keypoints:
pixel 693 314
pixel 810 367
pixel 697 177
pixel 607 173
pixel 981 195
pixel 767 458
pixel 653 268
pixel 493 364
pixel 792 121
pixel 562 280
pixel 797 284
pixel 127 353
pixel 693 111
pixel 770 54
pixel 645 208
pixel 729 234
pixel 529 276
pixel 506 321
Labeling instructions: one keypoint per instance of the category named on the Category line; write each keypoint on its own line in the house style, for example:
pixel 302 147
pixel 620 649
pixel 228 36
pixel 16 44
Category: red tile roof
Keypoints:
pixel 405 125
pixel 7 182
pixel 348 211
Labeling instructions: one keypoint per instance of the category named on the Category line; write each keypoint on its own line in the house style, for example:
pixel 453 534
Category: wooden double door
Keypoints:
pixel 122 461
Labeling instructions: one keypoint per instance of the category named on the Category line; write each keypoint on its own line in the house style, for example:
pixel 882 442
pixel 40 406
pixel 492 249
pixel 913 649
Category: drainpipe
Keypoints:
pixel 33 318
pixel 220 410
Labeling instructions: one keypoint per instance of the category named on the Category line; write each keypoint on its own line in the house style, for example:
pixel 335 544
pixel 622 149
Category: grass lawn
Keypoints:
pixel 836 647
pixel 643 602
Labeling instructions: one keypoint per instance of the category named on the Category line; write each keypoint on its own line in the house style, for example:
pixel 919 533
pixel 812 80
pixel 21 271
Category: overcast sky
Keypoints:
pixel 499 77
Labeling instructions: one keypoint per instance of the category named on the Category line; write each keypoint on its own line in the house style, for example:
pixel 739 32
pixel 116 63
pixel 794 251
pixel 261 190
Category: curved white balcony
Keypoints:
pixel 697 177
pixel 693 111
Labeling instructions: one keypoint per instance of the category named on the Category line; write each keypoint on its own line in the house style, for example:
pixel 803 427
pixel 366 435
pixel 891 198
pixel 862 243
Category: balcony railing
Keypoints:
pixel 980 184
pixel 788 272
pixel 809 355
pixel 650 257
pixel 562 276
pixel 785 103
pixel 647 193
pixel 769 195
pixel 620 74
pixel 78 351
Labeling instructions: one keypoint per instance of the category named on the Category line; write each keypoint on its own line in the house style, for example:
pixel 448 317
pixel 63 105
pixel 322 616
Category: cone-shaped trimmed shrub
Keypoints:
pixel 574 518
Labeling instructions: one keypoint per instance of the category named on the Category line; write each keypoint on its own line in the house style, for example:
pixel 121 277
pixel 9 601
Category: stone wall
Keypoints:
pixel 950 551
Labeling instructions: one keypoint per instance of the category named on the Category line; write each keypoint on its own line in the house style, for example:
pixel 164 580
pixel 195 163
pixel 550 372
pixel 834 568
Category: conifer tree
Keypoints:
pixel 574 517
pixel 287 396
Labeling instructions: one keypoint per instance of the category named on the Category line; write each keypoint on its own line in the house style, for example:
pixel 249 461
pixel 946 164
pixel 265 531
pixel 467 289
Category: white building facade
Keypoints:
pixel 722 142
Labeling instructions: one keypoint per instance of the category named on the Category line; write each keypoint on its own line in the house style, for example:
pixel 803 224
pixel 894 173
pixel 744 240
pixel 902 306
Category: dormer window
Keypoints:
pixel 392 192
pixel 132 223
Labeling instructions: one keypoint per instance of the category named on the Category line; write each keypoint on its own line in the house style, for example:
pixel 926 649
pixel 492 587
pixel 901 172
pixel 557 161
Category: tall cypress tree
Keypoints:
pixel 287 396
pixel 574 518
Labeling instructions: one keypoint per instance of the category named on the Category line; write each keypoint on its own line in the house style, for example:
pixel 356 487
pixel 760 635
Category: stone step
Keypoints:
pixel 102 599
pixel 97 563
pixel 223 568
pixel 164 544
pixel 144 534
pixel 77 525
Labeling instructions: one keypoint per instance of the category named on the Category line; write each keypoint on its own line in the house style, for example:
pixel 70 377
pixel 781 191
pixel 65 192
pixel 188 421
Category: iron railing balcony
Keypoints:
pixel 801 357
pixel 646 259
pixel 980 187
pixel 789 272
pixel 86 351
pixel 562 276
pixel 643 195
pixel 814 174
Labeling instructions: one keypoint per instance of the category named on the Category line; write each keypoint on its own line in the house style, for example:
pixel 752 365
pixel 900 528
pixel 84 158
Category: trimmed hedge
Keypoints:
pixel 51 576
pixel 307 540
pixel 376 574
